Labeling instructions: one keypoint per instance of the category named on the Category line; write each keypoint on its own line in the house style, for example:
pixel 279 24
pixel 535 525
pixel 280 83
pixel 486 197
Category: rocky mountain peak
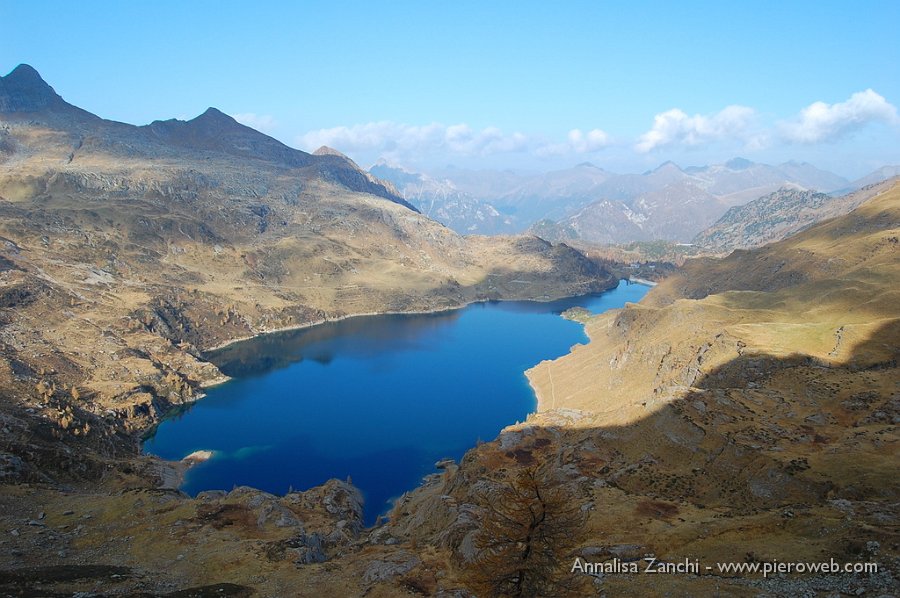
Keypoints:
pixel 329 151
pixel 211 121
pixel 23 90
pixel 25 73
pixel 668 166
pixel 217 132
pixel 214 115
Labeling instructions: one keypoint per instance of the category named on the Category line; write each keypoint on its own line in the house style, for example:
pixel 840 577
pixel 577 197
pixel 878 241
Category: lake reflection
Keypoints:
pixel 361 337
pixel 376 398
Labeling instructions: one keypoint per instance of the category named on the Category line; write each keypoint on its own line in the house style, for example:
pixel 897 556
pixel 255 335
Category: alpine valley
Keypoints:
pixel 744 411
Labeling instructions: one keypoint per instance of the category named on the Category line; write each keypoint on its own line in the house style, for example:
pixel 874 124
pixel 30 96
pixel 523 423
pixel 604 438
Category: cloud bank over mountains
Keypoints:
pixel 399 140
pixel 736 127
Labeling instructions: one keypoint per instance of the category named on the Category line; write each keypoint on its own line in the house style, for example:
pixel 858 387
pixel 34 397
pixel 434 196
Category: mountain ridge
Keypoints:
pixel 24 92
pixel 562 195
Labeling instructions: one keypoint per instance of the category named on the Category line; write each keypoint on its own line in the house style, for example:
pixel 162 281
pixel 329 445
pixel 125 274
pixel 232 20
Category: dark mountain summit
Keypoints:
pixel 23 92
pixel 216 131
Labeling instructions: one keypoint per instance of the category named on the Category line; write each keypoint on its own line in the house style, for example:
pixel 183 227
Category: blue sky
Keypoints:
pixel 522 85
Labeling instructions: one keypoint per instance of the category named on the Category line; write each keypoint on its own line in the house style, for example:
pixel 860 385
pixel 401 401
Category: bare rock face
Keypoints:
pixel 398 564
pixel 340 499
pixel 778 215
pixel 308 548
pixel 12 468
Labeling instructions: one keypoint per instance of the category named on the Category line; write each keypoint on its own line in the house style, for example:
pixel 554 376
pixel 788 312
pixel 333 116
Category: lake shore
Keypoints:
pixel 396 346
pixel 436 310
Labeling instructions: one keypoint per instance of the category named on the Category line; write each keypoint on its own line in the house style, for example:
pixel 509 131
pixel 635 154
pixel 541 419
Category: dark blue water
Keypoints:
pixel 377 398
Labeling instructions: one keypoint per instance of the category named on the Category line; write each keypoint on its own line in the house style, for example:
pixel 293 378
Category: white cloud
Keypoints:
pixel 577 142
pixel 403 141
pixel 397 139
pixel 591 141
pixel 826 122
pixel 260 122
pixel 675 127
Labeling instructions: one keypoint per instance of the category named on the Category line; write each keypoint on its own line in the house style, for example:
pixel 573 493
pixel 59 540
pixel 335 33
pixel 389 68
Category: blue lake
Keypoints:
pixel 377 398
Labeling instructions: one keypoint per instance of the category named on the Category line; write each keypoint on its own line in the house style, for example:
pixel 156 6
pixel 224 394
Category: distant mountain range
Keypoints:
pixel 441 200
pixel 591 204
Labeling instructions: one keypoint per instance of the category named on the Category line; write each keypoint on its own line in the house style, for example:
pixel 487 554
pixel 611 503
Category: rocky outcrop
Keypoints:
pixel 777 216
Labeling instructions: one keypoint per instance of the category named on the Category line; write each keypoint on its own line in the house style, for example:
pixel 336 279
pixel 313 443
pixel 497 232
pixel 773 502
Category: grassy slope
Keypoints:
pixel 752 399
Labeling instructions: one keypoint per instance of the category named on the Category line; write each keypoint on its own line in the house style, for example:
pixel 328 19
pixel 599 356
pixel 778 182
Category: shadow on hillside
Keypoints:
pixel 761 439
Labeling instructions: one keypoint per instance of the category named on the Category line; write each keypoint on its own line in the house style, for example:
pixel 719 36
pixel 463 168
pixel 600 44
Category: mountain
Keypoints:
pixel 483 183
pixel 553 194
pixel 665 174
pixel 442 201
pixel 602 221
pixel 666 213
pixel 738 178
pixel 215 131
pixel 23 90
pixel 882 174
pixel 777 216
pixel 667 202
pixel 669 213
pixel 685 207
pixel 807 175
